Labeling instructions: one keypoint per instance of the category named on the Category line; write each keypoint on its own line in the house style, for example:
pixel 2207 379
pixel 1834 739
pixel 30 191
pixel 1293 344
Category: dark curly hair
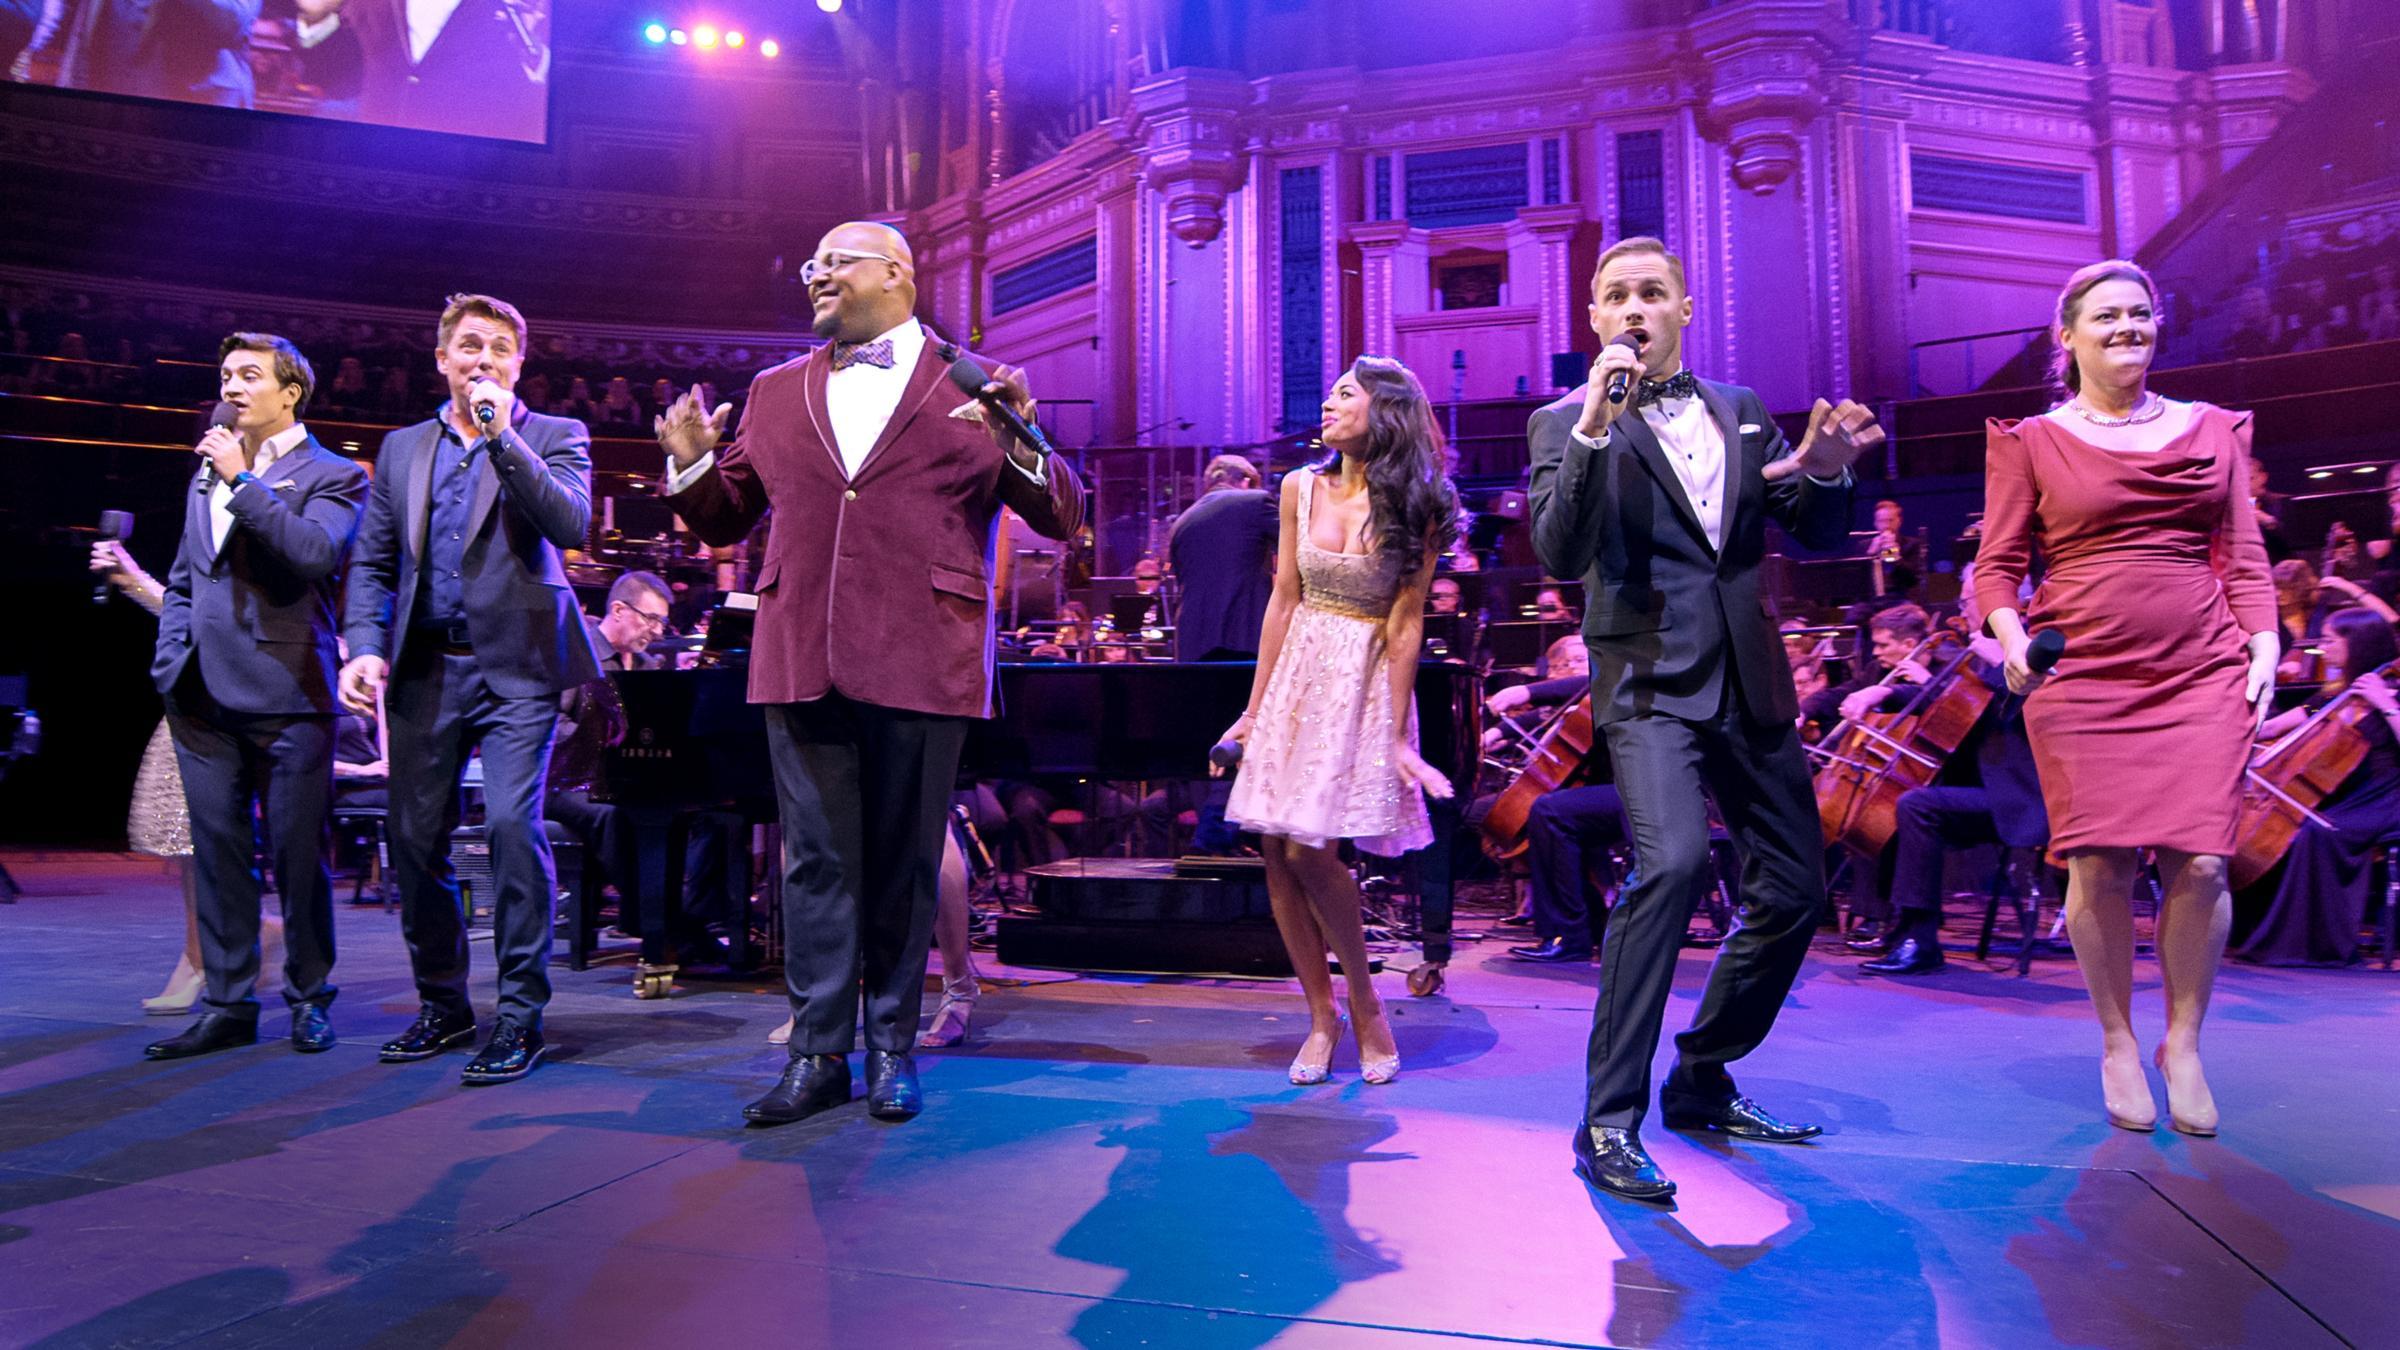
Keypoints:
pixel 1409 493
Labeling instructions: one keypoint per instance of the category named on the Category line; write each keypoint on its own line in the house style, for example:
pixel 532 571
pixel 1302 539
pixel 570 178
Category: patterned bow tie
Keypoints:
pixel 1681 384
pixel 876 353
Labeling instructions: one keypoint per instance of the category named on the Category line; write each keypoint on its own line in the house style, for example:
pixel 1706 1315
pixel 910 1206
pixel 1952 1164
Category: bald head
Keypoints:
pixel 864 282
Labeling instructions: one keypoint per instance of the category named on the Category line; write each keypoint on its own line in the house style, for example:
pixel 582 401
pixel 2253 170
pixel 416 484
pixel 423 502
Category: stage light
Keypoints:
pixel 830 6
pixel 770 49
pixel 655 33
pixel 675 35
pixel 704 37
pixel 733 39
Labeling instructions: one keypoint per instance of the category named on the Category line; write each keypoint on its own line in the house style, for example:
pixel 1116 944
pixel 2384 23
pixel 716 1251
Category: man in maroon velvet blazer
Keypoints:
pixel 874 637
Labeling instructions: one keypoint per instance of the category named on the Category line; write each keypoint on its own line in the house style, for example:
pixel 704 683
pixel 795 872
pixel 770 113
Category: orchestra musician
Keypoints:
pixel 1659 505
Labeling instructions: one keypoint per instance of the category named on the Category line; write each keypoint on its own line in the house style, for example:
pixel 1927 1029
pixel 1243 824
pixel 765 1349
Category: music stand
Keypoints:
pixel 1524 642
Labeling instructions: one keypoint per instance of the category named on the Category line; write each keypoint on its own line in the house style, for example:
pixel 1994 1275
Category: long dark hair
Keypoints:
pixel 1409 491
pixel 2368 638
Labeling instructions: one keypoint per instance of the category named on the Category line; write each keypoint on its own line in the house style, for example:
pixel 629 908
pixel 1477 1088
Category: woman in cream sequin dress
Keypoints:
pixel 1330 739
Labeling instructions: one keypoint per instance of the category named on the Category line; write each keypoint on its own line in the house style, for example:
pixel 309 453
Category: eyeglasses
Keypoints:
pixel 818 267
pixel 653 619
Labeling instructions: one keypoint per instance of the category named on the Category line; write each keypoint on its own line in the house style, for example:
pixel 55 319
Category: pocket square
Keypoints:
pixel 288 485
pixel 1748 427
pixel 969 411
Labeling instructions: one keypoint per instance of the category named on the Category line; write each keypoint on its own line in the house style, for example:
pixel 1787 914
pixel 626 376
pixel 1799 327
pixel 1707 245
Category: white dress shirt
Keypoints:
pixel 220 497
pixel 859 400
pixel 1695 446
pixel 426 19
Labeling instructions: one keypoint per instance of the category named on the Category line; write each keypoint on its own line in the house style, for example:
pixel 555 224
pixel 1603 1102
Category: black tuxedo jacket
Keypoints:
pixel 474 79
pixel 533 497
pixel 258 614
pixel 1668 619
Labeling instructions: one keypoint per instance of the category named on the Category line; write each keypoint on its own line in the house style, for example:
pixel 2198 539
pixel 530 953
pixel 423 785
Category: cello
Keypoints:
pixel 1559 752
pixel 2288 780
pixel 1866 763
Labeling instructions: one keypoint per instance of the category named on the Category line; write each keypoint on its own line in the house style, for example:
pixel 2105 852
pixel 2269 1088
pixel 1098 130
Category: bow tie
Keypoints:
pixel 1681 384
pixel 876 353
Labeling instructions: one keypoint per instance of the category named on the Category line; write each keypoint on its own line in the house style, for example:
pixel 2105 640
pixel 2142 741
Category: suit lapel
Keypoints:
pixel 1744 478
pixel 931 370
pixel 1654 458
pixel 200 524
pixel 813 375
pixel 419 500
pixel 487 491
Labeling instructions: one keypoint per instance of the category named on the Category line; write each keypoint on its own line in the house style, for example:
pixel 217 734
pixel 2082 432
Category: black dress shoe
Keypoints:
pixel 810 1083
pixel 431 1034
pixel 892 1086
pixel 1614 1161
pixel 1517 921
pixel 509 1055
pixel 1552 951
pixel 1868 936
pixel 312 1030
pixel 1740 1117
pixel 1914 956
pixel 216 1030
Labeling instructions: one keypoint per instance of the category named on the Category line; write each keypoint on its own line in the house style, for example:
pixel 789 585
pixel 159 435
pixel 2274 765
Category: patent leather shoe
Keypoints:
pixel 1614 1160
pixel 1914 956
pixel 509 1055
pixel 810 1084
pixel 1868 936
pixel 216 1030
pixel 1551 951
pixel 892 1086
pixel 1740 1117
pixel 431 1034
pixel 312 1030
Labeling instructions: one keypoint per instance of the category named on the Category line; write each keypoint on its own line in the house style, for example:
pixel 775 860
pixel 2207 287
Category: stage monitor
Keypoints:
pixel 479 69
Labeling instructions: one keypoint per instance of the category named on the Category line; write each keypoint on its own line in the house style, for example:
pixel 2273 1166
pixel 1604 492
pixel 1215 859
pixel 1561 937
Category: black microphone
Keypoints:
pixel 484 413
pixel 971 377
pixel 1621 383
pixel 2043 652
pixel 223 415
pixel 1226 755
pixel 115 528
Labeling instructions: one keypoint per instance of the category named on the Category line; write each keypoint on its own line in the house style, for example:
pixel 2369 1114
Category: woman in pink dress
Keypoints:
pixel 2158 581
pixel 1330 738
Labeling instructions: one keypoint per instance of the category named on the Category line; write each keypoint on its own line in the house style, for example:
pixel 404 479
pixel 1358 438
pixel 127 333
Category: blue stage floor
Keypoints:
pixel 1120 1163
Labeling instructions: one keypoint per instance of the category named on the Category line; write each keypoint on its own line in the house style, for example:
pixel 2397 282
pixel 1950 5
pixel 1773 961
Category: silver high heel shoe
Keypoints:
pixel 1308 1074
pixel 949 1024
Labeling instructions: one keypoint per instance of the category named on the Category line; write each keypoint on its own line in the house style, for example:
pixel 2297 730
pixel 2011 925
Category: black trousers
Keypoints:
pixel 237 766
pixel 864 794
pixel 440 711
pixel 1567 834
pixel 1932 822
pixel 1666 771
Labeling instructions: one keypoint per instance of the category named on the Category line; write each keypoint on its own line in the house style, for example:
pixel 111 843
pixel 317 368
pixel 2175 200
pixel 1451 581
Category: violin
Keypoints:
pixel 1866 763
pixel 2287 781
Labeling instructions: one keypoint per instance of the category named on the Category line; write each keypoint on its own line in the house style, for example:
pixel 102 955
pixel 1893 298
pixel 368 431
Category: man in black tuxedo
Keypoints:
pixel 1223 551
pixel 246 659
pixel 461 602
pixel 1659 504
pixel 474 69
pixel 193 51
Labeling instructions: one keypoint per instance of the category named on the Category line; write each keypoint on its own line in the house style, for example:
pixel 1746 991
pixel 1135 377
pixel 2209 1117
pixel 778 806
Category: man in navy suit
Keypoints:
pixel 1659 504
pixel 245 660
pixel 461 602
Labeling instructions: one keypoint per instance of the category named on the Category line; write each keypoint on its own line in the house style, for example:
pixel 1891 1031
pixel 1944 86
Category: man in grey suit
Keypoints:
pixel 460 601
pixel 1662 514
pixel 245 660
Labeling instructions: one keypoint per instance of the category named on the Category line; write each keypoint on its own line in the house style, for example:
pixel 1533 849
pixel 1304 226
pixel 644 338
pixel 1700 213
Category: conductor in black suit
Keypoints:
pixel 1223 553
pixel 1659 504
pixel 245 659
pixel 460 600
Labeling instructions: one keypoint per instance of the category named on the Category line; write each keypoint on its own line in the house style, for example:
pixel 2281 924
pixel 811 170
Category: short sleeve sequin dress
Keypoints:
pixel 1318 764
pixel 2157 577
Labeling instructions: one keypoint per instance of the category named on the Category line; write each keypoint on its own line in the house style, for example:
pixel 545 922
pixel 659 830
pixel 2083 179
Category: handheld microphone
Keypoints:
pixel 1226 755
pixel 485 412
pixel 1621 383
pixel 970 376
pixel 223 415
pixel 115 527
pixel 2043 652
